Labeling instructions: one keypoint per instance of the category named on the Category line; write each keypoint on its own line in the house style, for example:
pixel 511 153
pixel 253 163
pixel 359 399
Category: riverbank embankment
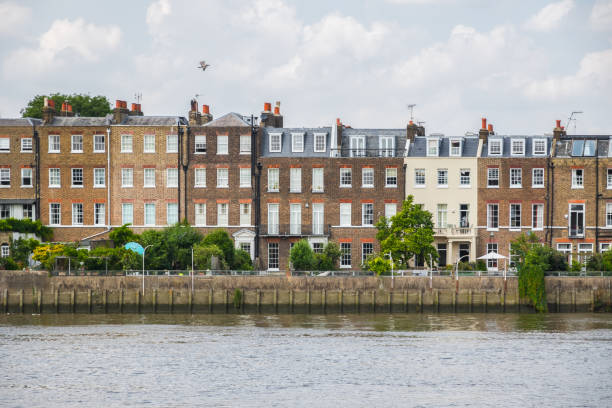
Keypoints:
pixel 38 293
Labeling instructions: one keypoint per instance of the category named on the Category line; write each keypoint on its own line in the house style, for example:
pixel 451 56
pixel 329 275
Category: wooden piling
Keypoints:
pixel 105 300
pixel 420 295
pixel 258 294
pixel 373 301
pixel 357 307
pixel 226 301
pixel 275 300
pixel 592 300
pixel 56 300
pixel 437 296
pixel 341 300
pixel 21 301
pixel 308 301
pixel 121 300
pixel 89 300
pixel 324 300
pixel 5 301
pixel 139 301
pixel 39 294
pixel 486 301
pixel 502 300
pixel 470 300
pixel 170 301
pixel 405 301
pixel 389 301
pixel 72 300
pixel 190 301
pixel 558 300
pixel 454 301
pixel 210 300
pixel 291 300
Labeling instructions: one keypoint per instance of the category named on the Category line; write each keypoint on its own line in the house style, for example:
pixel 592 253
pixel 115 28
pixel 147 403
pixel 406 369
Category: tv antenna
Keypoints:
pixel 411 107
pixel 138 96
pixel 573 118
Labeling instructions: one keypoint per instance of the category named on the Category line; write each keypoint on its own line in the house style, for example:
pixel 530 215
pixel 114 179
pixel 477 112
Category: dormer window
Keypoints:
pixel 583 148
pixel 358 146
pixel 432 147
pixel 495 147
pixel 275 142
pixel 455 147
pixel 387 146
pixel 297 142
pixel 539 147
pixel 517 147
pixel 319 142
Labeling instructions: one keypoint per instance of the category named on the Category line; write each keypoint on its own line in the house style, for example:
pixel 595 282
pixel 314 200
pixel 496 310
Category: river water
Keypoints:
pixel 501 360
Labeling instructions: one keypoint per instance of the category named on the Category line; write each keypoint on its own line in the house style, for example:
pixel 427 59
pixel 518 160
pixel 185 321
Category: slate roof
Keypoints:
pixel 286 142
pixel 372 140
pixel 506 145
pixel 19 122
pixel 469 146
pixel 154 121
pixel 231 119
pixel 81 121
pixel 564 145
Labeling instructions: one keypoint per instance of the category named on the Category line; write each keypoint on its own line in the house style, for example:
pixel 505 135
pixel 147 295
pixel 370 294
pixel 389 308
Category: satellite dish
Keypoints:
pixel 203 65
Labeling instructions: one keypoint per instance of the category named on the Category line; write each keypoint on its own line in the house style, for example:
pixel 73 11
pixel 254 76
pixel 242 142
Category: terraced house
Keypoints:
pixel 327 184
pixel 442 175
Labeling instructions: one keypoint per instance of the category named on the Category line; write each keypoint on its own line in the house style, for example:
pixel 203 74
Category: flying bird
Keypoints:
pixel 203 65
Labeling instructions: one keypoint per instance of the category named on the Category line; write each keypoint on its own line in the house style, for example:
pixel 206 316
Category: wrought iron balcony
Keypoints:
pixel 452 231
pixel 295 230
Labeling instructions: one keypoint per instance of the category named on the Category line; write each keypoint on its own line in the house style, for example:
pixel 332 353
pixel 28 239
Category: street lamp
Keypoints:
pixel 143 255
pixel 457 265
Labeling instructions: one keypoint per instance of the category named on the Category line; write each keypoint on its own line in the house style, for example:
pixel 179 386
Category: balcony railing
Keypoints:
pixel 295 230
pixel 356 152
pixel 453 231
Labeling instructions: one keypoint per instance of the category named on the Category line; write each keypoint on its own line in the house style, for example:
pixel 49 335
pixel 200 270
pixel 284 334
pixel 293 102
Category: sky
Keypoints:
pixel 521 64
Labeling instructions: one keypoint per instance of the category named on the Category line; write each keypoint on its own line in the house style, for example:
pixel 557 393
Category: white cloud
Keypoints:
pixel 592 77
pixel 13 17
pixel 65 41
pixel 601 15
pixel 549 17
pixel 157 11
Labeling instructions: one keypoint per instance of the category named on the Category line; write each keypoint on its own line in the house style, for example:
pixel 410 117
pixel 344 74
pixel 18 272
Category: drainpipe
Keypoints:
pixel 185 163
pixel 178 166
pixel 36 141
pixel 108 179
pixel 552 200
pixel 256 169
pixel 547 198
pixel 597 195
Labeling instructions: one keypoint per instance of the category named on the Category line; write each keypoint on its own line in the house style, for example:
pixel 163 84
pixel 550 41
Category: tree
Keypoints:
pixel 302 257
pixel 407 234
pixel 242 260
pixel 203 253
pixel 532 260
pixel 21 249
pixel 122 235
pixel 82 105
pixel 328 260
pixel 222 240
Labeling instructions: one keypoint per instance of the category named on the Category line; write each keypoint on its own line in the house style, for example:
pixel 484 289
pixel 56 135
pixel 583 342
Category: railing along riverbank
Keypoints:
pixel 39 293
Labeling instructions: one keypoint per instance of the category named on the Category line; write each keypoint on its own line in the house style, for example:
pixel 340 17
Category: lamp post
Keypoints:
pixel 192 270
pixel 143 257
pixel 457 265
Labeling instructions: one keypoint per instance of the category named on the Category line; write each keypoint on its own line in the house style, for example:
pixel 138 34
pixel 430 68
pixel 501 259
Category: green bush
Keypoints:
pixel 302 257
pixel 27 226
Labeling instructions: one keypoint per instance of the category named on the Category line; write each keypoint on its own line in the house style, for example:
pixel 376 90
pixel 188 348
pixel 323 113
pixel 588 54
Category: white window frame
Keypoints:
pixel 273 249
pixel 273 218
pixel 440 172
pixel 345 214
pixel 171 143
pixel 102 143
pixel 537 152
pixel 147 181
pixel 489 178
pixel 346 173
pixel 367 209
pixel 577 183
pixel 77 213
pixel 97 178
pixel 442 215
pixel 24 149
pixel 222 145
pixel 199 211
pixel 127 143
pixel 465 181
pixel 222 177
pixel 608 214
pixel 5 174
pixel 297 142
pixel 451 151
pixel 5 144
pixel 390 210
pixel 245 217
pixel 365 170
pixel 245 177
pixel 494 145
pixel 273 179
pixel 127 217
pixel 99 214
pixel 148 222
pixel 534 177
pixel 418 174
pixel 199 177
pixel 199 142
pixel 389 177
pixel 489 215
pixel 569 219
pixel 72 177
pixel 357 146
pixel 295 218
pixel 386 146
pixel 171 221
pixel 317 142
pixel 516 173
pixel 74 141
pixel 346 249
pixel 519 144
pixel 23 171
pixel 318 172
pixel 222 214
pixel 318 211
pixel 272 139
pixel 512 206
pixel 52 213
pixel 52 177
pixel 609 174
pixel 127 177
pixel 295 180
pixel 172 177
pixel 432 147
pixel 147 146
pixel 537 209
pixel 245 144
pixel 52 143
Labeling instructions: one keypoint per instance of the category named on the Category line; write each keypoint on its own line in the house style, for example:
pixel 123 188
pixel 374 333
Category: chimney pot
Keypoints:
pixel 267 107
pixel 51 103
pixel 338 122
pixel 562 127
pixel 490 128
pixel 484 123
pixel 277 110
pixel 411 123
pixel 69 108
pixel 117 103
pixel 205 109
pixel 135 107
pixel 558 123
pixel 64 106
pixel 139 107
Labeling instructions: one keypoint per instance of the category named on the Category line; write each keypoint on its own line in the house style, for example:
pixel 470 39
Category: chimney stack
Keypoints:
pixel 483 134
pixel 412 131
pixel 195 118
pixel 48 111
pixel 490 128
pixel 278 118
pixel 267 118
pixel 136 110
pixel 121 111
pixel 66 109
pixel 558 132
pixel 206 116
